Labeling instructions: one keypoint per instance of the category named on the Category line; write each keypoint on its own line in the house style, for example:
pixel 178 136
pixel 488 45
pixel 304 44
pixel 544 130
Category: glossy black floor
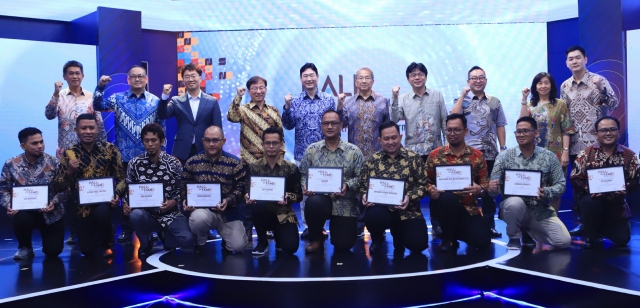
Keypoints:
pixel 569 278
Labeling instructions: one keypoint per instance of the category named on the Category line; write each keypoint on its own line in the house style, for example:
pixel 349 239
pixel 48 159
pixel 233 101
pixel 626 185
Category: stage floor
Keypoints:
pixel 574 277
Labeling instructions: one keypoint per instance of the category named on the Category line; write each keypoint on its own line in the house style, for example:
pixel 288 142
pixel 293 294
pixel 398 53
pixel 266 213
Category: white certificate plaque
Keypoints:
pixel 385 192
pixel 146 195
pixel 325 180
pixel 267 188
pixel 96 190
pixel 453 177
pixel 29 197
pixel 604 180
pixel 204 194
pixel 523 183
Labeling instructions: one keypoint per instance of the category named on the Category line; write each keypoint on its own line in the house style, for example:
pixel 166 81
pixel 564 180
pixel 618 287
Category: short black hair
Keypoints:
pixel 455 116
pixel 574 48
pixel 24 134
pixel 308 66
pixel 190 67
pixel 529 120
pixel 387 124
pixel 137 66
pixel 475 67
pixel 255 79
pixel 72 63
pixel 86 116
pixel 607 118
pixel 153 128
pixel 413 66
pixel 331 111
pixel 273 130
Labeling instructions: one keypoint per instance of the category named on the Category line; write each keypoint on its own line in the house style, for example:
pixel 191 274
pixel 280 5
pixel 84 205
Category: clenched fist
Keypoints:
pixel 598 82
pixel 341 98
pixel 104 80
pixel 57 88
pixel 465 91
pixel 395 91
pixel 241 91
pixel 287 100
pixel 525 93
pixel 166 89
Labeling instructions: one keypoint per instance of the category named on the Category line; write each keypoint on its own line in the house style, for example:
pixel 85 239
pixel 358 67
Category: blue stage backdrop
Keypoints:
pixel 511 54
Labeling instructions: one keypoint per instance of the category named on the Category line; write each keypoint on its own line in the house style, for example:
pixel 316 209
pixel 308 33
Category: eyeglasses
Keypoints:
pixel 453 131
pixel 134 77
pixel 258 88
pixel 270 144
pixel 330 123
pixel 211 140
pixel 479 78
pixel 612 130
pixel 524 131
pixel 189 77
pixel 414 75
pixel 367 78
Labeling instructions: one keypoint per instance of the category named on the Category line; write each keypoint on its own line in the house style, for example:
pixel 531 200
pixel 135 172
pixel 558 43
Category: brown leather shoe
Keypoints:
pixel 313 247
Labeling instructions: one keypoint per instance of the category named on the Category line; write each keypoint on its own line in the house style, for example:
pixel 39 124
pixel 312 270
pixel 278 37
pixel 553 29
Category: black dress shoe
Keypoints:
pixel 198 249
pixel 588 244
pixel 142 252
pixel 449 245
pixel 124 237
pixel 212 236
pixel 270 235
pixel 495 233
pixel 154 237
pixel 375 248
pixel 577 231
pixel 527 241
pixel 436 230
pixel 305 234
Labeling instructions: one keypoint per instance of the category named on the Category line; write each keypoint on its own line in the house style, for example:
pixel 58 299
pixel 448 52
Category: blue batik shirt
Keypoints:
pixel 131 114
pixel 305 115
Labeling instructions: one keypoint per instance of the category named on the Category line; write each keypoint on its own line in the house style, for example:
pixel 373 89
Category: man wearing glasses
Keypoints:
pixel 486 122
pixel 132 110
pixel 605 213
pixel 425 115
pixel 531 217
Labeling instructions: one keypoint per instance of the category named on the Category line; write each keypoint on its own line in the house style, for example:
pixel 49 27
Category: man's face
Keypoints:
pixel 258 91
pixel 364 81
pixel 610 135
pixel 477 80
pixel 417 78
pixel 455 132
pixel 390 140
pixel 152 144
pixel 309 79
pixel 191 80
pixel 331 125
pixel 34 146
pixel 576 61
pixel 87 131
pixel 137 78
pixel 525 135
pixel 73 76
pixel 271 145
pixel 213 142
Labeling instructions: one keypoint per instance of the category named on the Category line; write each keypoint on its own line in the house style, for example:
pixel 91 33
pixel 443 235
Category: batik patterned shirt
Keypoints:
pixel 131 114
pixel 362 117
pixel 484 116
pixel 67 107
pixel 554 122
pixel 595 157
pixel 586 105
pixel 407 166
pixel 290 172
pixel 541 160
pixel 166 170
pixel 346 156
pixel 253 121
pixel 226 169
pixel 104 160
pixel 19 171
pixel 469 156
pixel 425 119
pixel 305 115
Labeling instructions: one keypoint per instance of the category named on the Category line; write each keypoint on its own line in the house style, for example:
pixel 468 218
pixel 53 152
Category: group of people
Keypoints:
pixel 551 133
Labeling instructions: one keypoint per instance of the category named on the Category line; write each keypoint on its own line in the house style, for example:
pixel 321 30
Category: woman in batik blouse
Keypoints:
pixel 554 121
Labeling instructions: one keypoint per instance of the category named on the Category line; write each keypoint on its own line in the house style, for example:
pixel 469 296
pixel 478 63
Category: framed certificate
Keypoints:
pixel 29 197
pixel 96 190
pixel 608 179
pixel 385 191
pixel 325 180
pixel 453 177
pixel 146 195
pixel 267 188
pixel 204 194
pixel 522 183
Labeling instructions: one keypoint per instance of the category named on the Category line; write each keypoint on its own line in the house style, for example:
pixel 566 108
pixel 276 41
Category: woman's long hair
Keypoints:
pixel 535 96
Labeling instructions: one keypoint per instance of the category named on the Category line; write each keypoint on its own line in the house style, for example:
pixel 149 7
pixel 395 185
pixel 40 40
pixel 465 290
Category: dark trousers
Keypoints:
pixel 488 202
pixel 95 230
pixel 599 218
pixel 52 235
pixel 457 224
pixel 126 225
pixel 192 152
pixel 265 219
pixel 343 229
pixel 71 215
pixel 576 202
pixel 176 234
pixel 409 233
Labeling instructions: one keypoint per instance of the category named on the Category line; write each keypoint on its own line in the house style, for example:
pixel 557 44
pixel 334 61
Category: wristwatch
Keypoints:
pixel 565 149
pixel 503 148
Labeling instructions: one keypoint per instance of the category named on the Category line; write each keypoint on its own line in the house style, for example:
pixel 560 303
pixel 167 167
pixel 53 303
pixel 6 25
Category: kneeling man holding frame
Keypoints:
pixel 525 206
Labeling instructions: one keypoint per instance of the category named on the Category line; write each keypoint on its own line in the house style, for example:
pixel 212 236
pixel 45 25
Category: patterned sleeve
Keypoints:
pixel 51 111
pixel 233 114
pixel 119 172
pixel 501 119
pixel 288 118
pixel 99 103
pixel 481 178
pixel 443 117
pixel 176 169
pixel 579 174
pixel 363 181
pixel 607 96
pixel 6 183
pixel 239 180
pixel 61 197
pixel 60 181
pixel 186 178
pixel 496 174
pixel 358 160
pixel 558 183
pixel 564 96
pixel 294 190
pixel 632 170
pixel 418 190
pixel 565 119
pixel 430 169
pixel 304 167
pixel 396 112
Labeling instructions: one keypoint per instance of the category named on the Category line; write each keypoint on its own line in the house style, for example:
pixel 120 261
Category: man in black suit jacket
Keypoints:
pixel 195 111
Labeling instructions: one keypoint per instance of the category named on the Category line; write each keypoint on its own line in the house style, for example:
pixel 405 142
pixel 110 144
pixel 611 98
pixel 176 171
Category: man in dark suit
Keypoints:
pixel 195 111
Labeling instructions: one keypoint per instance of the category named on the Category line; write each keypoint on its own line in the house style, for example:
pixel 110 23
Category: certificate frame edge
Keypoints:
pixel 470 169
pixel 504 173
pixel 31 185
pixel 98 178
pixel 202 207
pixel 404 190
pixel 324 192
pixel 164 186
pixel 589 184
